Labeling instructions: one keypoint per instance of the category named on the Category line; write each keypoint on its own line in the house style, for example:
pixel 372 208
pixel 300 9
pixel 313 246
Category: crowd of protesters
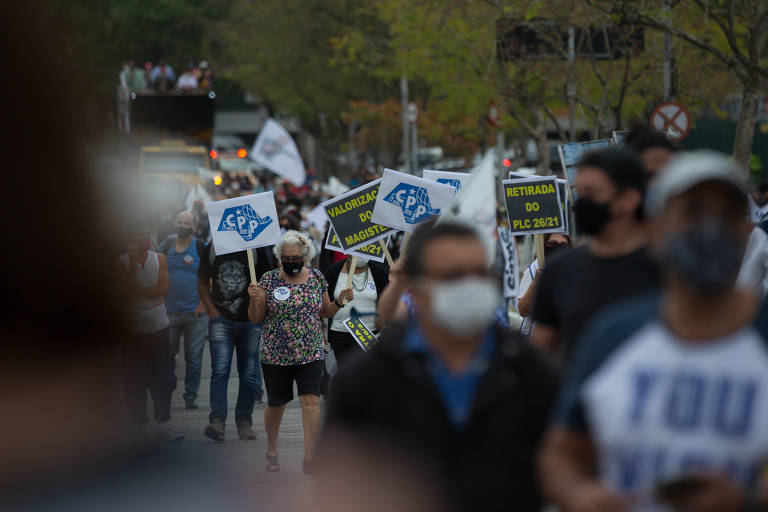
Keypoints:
pixel 636 377
pixel 639 382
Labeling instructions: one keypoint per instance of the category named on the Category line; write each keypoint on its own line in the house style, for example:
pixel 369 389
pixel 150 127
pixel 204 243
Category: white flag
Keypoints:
pixel 276 150
pixel 245 222
pixel 475 204
pixel 405 201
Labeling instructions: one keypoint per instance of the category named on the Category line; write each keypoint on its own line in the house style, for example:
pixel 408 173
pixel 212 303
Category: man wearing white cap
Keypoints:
pixel 666 403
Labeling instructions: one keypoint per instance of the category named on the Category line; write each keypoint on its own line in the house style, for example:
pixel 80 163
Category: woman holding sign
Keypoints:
pixel 368 282
pixel 290 301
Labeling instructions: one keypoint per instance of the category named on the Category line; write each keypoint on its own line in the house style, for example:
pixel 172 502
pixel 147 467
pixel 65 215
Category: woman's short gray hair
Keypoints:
pixel 295 238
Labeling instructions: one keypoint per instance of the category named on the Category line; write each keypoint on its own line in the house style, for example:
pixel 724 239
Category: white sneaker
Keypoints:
pixel 164 432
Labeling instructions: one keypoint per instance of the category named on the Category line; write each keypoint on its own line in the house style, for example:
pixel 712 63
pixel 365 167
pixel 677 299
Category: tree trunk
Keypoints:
pixel 745 127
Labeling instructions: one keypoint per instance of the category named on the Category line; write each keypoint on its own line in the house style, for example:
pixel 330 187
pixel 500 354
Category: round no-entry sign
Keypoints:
pixel 673 119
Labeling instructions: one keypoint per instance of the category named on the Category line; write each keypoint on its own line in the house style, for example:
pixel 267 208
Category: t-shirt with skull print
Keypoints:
pixel 231 278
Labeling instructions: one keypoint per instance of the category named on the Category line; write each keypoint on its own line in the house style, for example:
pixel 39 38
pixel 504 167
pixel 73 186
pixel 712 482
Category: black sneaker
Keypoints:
pixel 189 403
pixel 215 431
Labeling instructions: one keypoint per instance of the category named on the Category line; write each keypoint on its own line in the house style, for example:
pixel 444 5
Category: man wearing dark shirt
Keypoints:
pixel 452 401
pixel 223 287
pixel 613 265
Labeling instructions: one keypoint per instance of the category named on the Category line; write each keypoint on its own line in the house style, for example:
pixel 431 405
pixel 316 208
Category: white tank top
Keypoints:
pixel 146 314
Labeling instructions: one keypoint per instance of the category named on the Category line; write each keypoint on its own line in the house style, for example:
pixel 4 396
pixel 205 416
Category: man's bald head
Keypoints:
pixel 186 218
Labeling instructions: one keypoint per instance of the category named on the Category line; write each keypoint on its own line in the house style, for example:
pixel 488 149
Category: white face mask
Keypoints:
pixel 465 306
pixel 361 262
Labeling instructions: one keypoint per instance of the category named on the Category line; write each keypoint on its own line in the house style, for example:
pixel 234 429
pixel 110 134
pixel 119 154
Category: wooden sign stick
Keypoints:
pixel 251 266
pixel 383 244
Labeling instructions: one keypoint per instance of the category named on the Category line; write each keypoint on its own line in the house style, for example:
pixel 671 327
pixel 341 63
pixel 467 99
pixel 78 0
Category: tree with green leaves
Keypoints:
pixel 735 32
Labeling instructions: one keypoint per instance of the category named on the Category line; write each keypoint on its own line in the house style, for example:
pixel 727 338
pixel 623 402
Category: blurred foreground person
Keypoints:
pixel 291 301
pixel 653 147
pixel 611 266
pixel 146 356
pixel 66 441
pixel 666 403
pixel 451 395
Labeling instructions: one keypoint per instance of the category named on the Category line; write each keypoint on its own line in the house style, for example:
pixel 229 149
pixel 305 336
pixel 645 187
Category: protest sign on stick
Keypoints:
pixel 405 201
pixel 360 332
pixel 375 251
pixel 244 223
pixel 350 217
pixel 454 179
pixel 533 205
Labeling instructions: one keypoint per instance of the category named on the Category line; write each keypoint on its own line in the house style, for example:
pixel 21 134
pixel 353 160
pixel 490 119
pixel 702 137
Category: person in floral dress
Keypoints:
pixel 291 301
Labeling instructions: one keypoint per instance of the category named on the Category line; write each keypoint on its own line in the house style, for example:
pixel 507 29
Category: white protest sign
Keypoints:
pixel 405 201
pixel 276 150
pixel 511 274
pixel 454 179
pixel 245 222
pixel 475 204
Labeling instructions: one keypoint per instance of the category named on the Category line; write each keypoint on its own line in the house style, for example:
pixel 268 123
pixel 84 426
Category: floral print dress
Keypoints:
pixel 293 331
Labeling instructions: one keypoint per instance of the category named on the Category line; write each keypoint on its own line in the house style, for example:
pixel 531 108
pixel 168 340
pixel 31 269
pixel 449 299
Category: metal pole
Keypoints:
pixel 667 56
pixel 500 169
pixel 571 84
pixel 404 113
pixel 415 147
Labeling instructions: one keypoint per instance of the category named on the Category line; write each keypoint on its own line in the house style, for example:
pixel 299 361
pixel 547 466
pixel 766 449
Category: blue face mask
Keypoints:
pixel 707 257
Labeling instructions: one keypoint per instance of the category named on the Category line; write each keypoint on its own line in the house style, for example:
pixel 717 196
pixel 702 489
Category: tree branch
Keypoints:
pixel 556 122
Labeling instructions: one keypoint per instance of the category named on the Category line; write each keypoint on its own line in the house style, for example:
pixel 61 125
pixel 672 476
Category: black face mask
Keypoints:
pixel 291 268
pixel 555 249
pixel 183 232
pixel 707 257
pixel 591 216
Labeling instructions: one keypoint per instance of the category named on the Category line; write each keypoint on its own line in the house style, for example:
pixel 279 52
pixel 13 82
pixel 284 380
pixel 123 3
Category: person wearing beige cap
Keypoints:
pixel 666 403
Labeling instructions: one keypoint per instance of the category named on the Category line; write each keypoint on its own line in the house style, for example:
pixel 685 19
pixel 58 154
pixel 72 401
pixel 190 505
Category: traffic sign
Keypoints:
pixel 673 119
pixel 413 112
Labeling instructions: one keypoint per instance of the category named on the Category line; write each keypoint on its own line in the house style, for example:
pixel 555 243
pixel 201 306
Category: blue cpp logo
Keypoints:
pixel 451 181
pixel 413 200
pixel 245 221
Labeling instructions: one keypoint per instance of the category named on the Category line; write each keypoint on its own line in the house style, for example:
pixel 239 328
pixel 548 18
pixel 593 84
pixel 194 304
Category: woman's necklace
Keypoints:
pixel 355 281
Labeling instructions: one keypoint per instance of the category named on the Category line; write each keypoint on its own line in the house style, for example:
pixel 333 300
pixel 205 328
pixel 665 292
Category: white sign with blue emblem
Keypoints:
pixel 454 179
pixel 405 201
pixel 281 293
pixel 243 223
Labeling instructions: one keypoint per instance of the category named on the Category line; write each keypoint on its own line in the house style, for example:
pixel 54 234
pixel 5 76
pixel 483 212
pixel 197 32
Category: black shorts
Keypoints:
pixel 278 381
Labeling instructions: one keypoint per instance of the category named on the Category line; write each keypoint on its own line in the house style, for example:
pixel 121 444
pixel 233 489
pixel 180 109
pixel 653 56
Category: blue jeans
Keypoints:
pixel 194 330
pixel 226 336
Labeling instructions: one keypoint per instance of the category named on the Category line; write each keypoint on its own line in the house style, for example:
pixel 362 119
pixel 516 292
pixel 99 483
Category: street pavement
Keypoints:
pixel 290 483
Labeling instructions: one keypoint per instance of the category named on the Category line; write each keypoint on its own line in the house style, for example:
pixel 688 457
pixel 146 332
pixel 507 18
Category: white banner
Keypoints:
pixel 276 150
pixel 454 179
pixel 511 272
pixel 405 201
pixel 475 204
pixel 245 222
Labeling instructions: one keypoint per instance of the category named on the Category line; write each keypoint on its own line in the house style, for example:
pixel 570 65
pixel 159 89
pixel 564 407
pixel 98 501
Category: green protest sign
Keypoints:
pixel 362 334
pixel 350 217
pixel 533 205
pixel 374 251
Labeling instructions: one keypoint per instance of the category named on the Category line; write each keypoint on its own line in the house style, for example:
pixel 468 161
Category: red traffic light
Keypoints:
pixel 213 154
pixel 242 153
pixel 507 162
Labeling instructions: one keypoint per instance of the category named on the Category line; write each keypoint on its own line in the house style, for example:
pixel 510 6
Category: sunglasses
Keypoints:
pixel 292 259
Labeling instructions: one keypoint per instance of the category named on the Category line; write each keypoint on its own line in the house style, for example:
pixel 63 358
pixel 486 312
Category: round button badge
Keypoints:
pixel 281 293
